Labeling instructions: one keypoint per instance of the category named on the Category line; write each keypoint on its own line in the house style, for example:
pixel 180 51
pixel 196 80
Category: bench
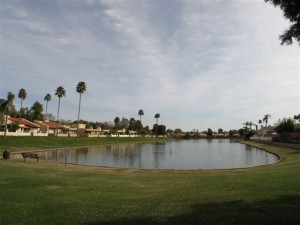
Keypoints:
pixel 30 155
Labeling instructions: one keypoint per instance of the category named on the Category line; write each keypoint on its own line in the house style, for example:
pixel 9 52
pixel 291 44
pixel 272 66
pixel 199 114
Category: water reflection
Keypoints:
pixel 180 154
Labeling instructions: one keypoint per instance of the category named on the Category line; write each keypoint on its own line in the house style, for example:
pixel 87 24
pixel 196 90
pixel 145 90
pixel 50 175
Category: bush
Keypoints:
pixel 285 126
pixel 249 134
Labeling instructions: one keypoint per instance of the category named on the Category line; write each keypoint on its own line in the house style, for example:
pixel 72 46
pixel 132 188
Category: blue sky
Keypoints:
pixel 200 64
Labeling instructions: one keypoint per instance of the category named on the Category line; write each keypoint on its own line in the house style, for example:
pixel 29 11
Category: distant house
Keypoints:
pixel 26 127
pixel 84 132
pixel 52 128
pixel 267 130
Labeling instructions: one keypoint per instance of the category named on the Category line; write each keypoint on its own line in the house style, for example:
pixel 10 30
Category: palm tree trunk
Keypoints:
pixel 78 117
pixel 5 129
pixel 156 127
pixel 20 108
pixel 56 134
pixel 58 110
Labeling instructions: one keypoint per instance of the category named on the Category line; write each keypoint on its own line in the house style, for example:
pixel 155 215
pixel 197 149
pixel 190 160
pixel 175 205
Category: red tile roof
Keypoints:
pixel 23 122
pixel 53 125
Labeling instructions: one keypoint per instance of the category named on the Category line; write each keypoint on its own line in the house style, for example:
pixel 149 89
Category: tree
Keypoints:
pixel 141 113
pixel 297 117
pixel 81 88
pixel 157 115
pixel 266 118
pixel 47 98
pixel 6 107
pixel 285 126
pixel 138 125
pixel 233 133
pixel 117 120
pixel 209 132
pixel 291 11
pixel 60 92
pixel 246 125
pixel 241 132
pixel 220 131
pixel 22 95
pixel 37 111
pixel 250 125
pixel 159 129
pixel 260 122
pixel 131 124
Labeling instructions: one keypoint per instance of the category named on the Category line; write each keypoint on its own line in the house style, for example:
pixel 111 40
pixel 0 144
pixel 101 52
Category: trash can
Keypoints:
pixel 6 154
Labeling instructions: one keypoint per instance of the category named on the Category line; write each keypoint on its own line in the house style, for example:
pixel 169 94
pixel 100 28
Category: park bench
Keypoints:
pixel 30 155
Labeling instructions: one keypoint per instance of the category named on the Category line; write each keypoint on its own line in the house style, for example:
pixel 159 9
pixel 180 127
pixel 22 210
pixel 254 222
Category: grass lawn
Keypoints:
pixel 15 144
pixel 51 193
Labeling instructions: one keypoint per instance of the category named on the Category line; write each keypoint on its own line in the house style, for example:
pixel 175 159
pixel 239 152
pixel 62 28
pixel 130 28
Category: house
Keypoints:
pixel 266 131
pixel 52 128
pixel 26 128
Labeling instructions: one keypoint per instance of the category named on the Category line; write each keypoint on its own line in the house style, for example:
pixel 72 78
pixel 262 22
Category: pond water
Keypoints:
pixel 179 154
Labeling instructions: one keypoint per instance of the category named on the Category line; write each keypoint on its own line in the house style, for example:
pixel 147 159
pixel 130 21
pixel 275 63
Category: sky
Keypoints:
pixel 200 64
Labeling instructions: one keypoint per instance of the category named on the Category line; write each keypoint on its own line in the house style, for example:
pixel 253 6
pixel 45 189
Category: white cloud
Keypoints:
pixel 199 64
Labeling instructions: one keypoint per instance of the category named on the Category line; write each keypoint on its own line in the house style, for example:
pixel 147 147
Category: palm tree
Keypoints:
pixel 266 118
pixel 81 88
pixel 22 95
pixel 60 92
pixel 47 99
pixel 157 115
pixel 250 125
pixel 246 124
pixel 141 113
pixel 260 122
pixel 6 107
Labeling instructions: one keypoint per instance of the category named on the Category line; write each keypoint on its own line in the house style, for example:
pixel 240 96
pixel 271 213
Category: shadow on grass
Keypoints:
pixel 282 211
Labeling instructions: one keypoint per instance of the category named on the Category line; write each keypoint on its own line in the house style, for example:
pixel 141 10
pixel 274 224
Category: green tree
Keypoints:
pixel 159 129
pixel 266 119
pixel 13 127
pixel 178 131
pixel 291 11
pixel 233 132
pixel 60 92
pixel 209 132
pixel 242 132
pixel 47 98
pixel 117 120
pixel 22 95
pixel 131 124
pixel 81 88
pixel 286 125
pixel 37 111
pixel 249 134
pixel 138 125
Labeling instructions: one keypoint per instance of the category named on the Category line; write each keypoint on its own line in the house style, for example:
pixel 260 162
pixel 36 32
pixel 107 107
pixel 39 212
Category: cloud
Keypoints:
pixel 199 64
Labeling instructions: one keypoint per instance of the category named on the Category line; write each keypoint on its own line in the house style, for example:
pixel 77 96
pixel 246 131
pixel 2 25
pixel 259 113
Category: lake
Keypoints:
pixel 177 154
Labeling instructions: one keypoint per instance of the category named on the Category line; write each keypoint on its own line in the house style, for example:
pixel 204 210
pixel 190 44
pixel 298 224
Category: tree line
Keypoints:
pixel 7 108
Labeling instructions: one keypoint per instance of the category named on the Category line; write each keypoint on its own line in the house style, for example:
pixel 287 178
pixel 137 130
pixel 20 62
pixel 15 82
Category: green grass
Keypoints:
pixel 36 143
pixel 52 193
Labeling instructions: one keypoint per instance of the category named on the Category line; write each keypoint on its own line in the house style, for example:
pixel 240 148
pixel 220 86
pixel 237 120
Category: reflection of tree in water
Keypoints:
pixel 126 154
pixel 159 153
pixel 82 153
